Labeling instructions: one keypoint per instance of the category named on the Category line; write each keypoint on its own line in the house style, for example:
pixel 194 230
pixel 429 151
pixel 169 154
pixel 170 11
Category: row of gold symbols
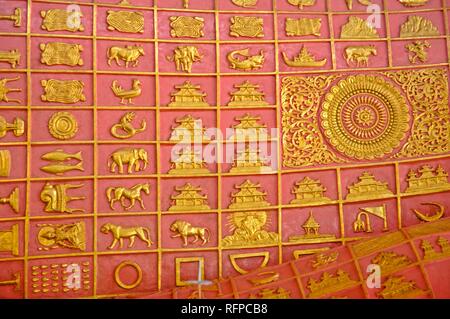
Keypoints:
pixel 14 149
pixel 158 141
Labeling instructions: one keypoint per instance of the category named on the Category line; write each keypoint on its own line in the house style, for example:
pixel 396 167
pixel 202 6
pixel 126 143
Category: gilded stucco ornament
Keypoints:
pixel 184 230
pixel 9 240
pixel 417 26
pixel 60 53
pixel 52 236
pixel 418 51
pixel 358 28
pixel 119 233
pixel 63 91
pixel 62 125
pixel 61 20
pixel 127 95
pixel 12 200
pixel 303 27
pixel 62 162
pixel 5 163
pixel 15 17
pixel 122 194
pixel 184 57
pixel 186 27
pixel 125 129
pixel 304 59
pixel 17 127
pixel 4 90
pixel 128 54
pixel 245 3
pixel 359 55
pixel 247 62
pixel 12 57
pixel 248 27
pixel 365 117
pixel 57 200
pixel 125 21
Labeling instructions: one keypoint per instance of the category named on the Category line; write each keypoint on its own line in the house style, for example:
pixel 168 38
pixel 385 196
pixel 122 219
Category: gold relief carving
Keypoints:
pixel 431 253
pixel 249 27
pixel 368 188
pixel 189 129
pixel 365 117
pixel 188 199
pixel 58 53
pixel 184 57
pixel 363 2
pixel 4 90
pixel 370 246
pixel 417 26
pixel 62 125
pixel 119 281
pixel 248 196
pixel 391 261
pixel 182 260
pixel 119 233
pixel 312 235
pixel 188 95
pixel 248 62
pixel 427 179
pixel 245 3
pixel 5 163
pixel 247 94
pixel 418 51
pixel 16 17
pixel 250 161
pixel 330 283
pixel 413 3
pixel 12 282
pixel 56 199
pixel 188 162
pixel 59 157
pixel 359 225
pixel 128 54
pixel 304 59
pixel 126 128
pixel 133 194
pixel 249 228
pixel 249 129
pixel 61 20
pixel 324 259
pixel 357 28
pixel 17 127
pixel 265 255
pixel 186 4
pixel 359 55
pixel 9 240
pixel 54 278
pixel 427 93
pixel 309 191
pixel 184 230
pixel 185 26
pixel 427 218
pixel 399 288
pixel 128 156
pixel 271 293
pixel 305 252
pixel 125 21
pixel 302 3
pixel 12 200
pixel 130 94
pixel 264 278
pixel 63 91
pixel 70 236
pixel 303 27
pixel 12 57
pixel 303 143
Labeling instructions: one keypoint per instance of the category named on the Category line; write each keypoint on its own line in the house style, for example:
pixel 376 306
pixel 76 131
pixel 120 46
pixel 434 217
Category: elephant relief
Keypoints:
pixel 129 156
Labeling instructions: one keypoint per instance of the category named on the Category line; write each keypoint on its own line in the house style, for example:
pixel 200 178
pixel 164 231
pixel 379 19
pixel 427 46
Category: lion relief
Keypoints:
pixel 185 229
pixel 119 233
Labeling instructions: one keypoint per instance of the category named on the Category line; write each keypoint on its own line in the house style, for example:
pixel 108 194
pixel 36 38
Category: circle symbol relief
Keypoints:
pixel 365 117
pixel 63 125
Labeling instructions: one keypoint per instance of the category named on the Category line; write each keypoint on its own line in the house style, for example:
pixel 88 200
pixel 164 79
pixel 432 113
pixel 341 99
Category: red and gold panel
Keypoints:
pixel 146 144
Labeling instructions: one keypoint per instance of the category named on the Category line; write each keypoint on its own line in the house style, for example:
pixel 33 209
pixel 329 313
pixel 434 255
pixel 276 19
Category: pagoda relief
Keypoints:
pixel 247 95
pixel 250 161
pixel 249 128
pixel 248 196
pixel 187 162
pixel 368 188
pixel 429 252
pixel 188 95
pixel 330 283
pixel 427 179
pixel 188 129
pixel 189 198
pixel 309 191
pixel 312 235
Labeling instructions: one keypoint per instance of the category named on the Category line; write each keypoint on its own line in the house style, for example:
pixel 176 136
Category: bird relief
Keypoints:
pixel 127 95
